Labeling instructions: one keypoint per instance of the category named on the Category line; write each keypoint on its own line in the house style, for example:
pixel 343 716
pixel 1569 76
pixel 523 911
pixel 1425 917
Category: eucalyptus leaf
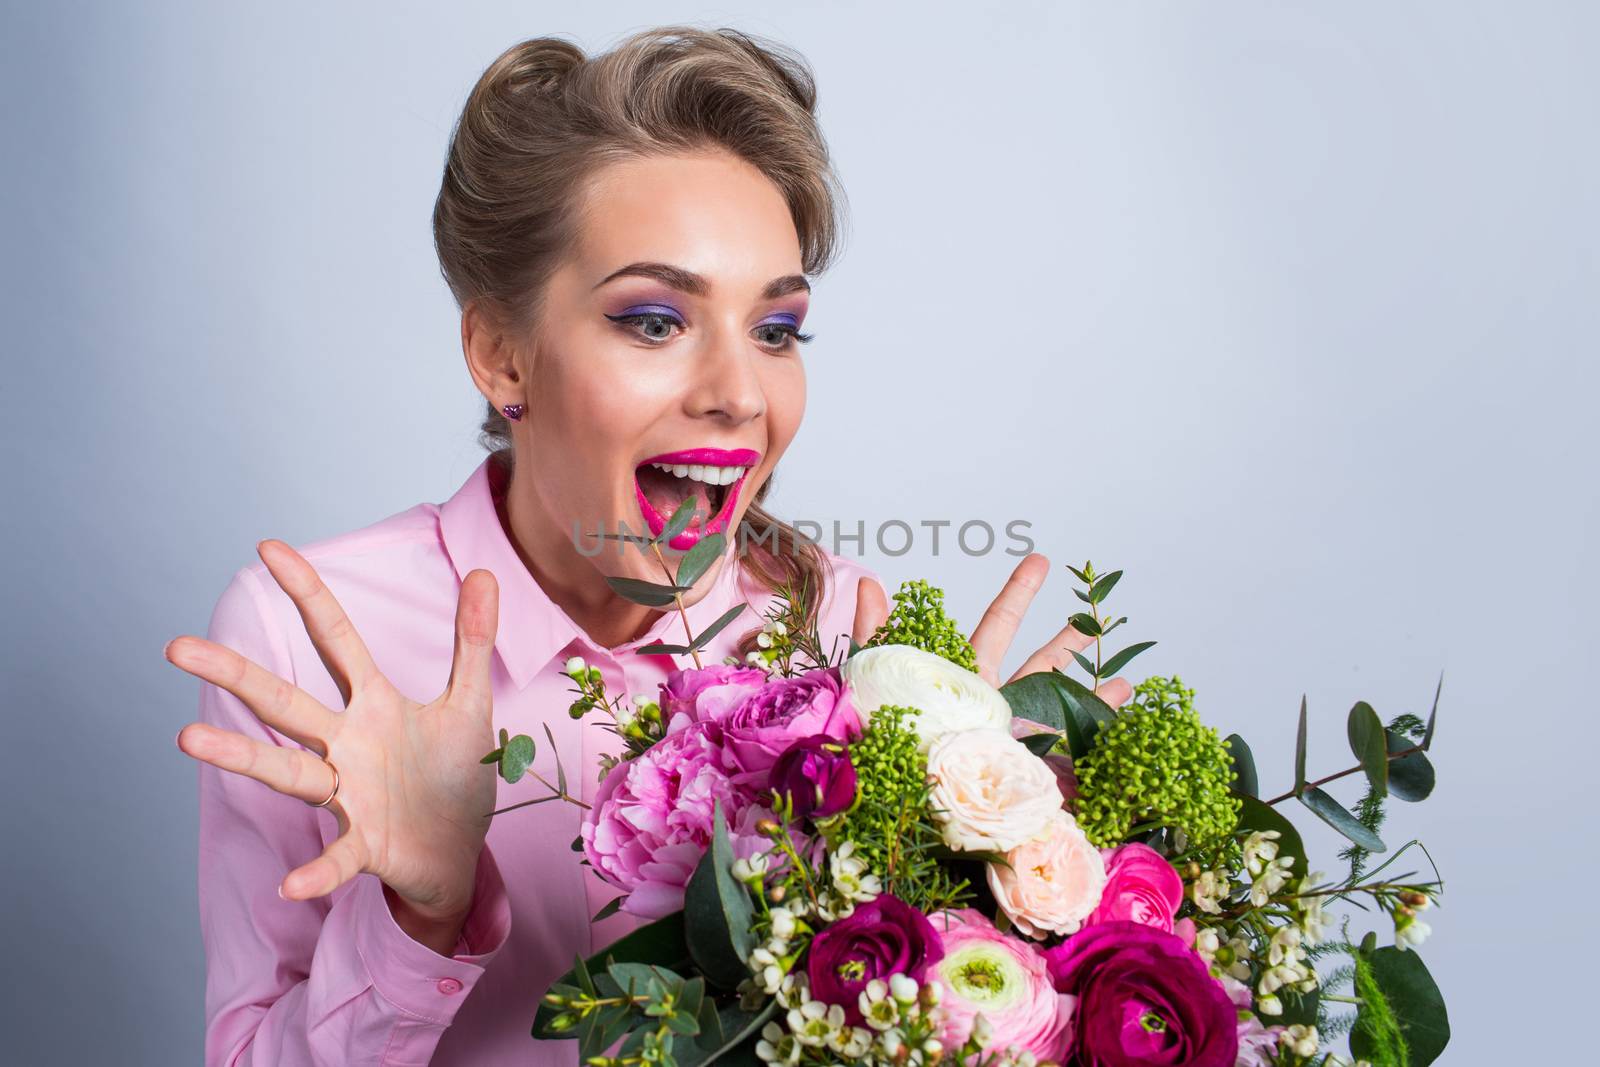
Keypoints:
pixel 649 594
pixel 1081 595
pixel 1244 766
pixel 611 908
pixel 1300 749
pixel 516 757
pixel 1367 744
pixel 493 757
pixel 699 559
pixel 1433 714
pixel 704 637
pixel 1086 663
pixel 561 772
pixel 1040 744
pixel 1120 660
pixel 1061 703
pixel 1085 624
pixel 729 1041
pixel 1411 778
pixel 659 649
pixel 1338 816
pixel 681 517
pixel 1034 697
pixel 661 942
pixel 1103 585
pixel 1416 1002
pixel 717 912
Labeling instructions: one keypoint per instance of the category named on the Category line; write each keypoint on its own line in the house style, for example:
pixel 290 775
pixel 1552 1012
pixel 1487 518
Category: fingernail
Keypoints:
pixel 280 892
pixel 167 646
pixel 176 736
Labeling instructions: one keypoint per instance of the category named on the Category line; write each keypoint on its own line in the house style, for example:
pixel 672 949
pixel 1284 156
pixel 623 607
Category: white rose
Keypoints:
pixel 990 792
pixel 946 696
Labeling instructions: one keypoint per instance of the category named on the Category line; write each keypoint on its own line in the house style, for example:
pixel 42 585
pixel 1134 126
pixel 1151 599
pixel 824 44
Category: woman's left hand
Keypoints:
pixel 998 627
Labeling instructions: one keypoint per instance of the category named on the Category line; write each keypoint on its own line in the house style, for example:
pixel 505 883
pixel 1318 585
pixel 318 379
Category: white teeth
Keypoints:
pixel 703 472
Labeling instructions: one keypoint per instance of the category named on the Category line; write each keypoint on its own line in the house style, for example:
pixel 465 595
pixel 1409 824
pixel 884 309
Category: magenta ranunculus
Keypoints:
pixel 652 820
pixel 1140 886
pixel 1143 1000
pixel 704 693
pixel 883 937
pixel 817 776
pixel 757 730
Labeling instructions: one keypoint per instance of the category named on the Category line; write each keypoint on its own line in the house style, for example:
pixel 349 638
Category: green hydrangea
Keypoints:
pixel 1157 763
pixel 919 620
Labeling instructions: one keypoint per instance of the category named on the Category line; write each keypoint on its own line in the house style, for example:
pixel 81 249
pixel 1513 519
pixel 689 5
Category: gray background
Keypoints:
pixel 1288 309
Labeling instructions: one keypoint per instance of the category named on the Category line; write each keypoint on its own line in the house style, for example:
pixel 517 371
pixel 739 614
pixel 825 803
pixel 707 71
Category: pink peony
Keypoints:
pixel 1140 886
pixel 1004 979
pixel 762 726
pixel 704 693
pixel 652 820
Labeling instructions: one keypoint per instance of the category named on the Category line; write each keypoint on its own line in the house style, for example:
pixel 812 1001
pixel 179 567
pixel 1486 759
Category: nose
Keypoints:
pixel 728 383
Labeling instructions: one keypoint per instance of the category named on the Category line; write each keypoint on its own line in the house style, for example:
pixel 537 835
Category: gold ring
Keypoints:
pixel 332 793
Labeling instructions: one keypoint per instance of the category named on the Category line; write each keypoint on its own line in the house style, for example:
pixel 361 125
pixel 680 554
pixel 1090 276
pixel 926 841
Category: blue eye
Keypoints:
pixel 645 324
pixel 650 319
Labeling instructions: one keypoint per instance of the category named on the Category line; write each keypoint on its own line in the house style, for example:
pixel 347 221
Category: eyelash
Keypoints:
pixel 796 335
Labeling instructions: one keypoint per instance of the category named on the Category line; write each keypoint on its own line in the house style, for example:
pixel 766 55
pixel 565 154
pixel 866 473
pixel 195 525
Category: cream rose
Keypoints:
pixel 945 696
pixel 1053 882
pixel 989 791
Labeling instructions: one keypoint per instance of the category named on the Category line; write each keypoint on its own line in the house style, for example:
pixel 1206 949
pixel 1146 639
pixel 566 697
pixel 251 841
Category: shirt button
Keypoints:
pixel 449 986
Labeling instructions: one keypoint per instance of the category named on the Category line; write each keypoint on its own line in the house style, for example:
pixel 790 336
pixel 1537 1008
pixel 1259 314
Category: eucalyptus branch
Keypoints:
pixel 677 598
pixel 1291 794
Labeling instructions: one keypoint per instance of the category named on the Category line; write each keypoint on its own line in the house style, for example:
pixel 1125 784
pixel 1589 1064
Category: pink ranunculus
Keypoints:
pixel 1141 886
pixel 1003 978
pixel 652 819
pixel 762 726
pixel 701 694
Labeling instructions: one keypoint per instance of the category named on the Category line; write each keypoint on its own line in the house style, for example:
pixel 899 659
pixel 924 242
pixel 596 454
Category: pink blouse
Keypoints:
pixel 335 980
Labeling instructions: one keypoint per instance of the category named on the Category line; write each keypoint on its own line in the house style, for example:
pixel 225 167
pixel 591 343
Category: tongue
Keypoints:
pixel 666 491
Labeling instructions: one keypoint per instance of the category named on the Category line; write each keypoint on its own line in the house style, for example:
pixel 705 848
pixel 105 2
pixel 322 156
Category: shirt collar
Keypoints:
pixel 533 629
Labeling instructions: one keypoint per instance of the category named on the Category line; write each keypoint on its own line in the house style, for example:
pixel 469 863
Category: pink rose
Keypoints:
pixel 762 725
pixel 1050 884
pixel 653 819
pixel 1003 978
pixel 703 693
pixel 1141 886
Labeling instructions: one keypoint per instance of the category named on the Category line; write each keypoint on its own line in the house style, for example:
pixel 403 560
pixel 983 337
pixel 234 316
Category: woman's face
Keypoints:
pixel 665 363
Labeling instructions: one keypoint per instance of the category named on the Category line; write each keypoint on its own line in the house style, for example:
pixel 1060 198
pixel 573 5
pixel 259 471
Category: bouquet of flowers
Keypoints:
pixel 873 856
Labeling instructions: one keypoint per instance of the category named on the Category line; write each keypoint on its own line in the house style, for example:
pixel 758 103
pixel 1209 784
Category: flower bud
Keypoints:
pixel 575 667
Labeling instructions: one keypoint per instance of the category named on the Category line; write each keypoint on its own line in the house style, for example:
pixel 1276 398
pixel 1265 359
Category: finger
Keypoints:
pixel 872 610
pixel 1115 692
pixel 341 649
pixel 293 772
pixel 340 861
pixel 999 624
pixel 284 707
pixel 477 619
pixel 1057 652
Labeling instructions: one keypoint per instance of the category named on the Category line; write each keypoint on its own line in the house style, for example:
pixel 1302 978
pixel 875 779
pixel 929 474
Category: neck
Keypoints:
pixel 567 577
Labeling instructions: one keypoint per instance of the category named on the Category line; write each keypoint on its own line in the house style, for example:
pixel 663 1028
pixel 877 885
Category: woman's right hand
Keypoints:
pixel 413 797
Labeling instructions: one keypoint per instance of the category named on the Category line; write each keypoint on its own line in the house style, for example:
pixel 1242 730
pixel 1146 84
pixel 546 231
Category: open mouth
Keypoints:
pixel 712 476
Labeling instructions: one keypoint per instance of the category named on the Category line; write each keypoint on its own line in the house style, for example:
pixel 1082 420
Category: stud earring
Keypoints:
pixel 513 411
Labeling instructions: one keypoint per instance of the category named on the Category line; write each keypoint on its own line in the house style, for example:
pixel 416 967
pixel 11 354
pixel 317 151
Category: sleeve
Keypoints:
pixel 333 980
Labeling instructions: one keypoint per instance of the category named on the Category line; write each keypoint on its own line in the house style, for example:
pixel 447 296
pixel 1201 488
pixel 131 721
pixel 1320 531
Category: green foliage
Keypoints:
pixel 1157 764
pixel 717 912
pixel 1092 624
pixel 892 822
pixel 1401 1009
pixel 1064 704
pixel 918 619
pixel 1369 810
pixel 1376 1030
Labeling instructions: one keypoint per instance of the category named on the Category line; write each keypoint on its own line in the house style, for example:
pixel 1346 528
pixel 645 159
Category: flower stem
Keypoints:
pixel 678 599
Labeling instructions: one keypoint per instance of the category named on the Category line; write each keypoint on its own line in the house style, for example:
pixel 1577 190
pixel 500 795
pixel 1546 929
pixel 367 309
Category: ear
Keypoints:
pixel 491 357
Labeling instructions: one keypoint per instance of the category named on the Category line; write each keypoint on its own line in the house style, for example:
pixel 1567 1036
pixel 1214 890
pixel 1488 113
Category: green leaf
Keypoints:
pixel 1040 744
pixel 717 627
pixel 1367 743
pixel 1035 697
pixel 1085 624
pixel 504 737
pixel 1411 777
pixel 1298 1008
pixel 1081 595
pixel 611 908
pixel 650 594
pixel 661 942
pixel 698 559
pixel 561 772
pixel 1102 587
pixel 1244 766
pixel 717 912
pixel 1086 712
pixel 682 515
pixel 1417 1004
pixel 726 1038
pixel 1061 703
pixel 1080 575
pixel 1257 814
pixel 1427 733
pixel 1120 660
pixel 659 649
pixel 493 757
pixel 1338 816
pixel 1300 749
pixel 1086 663
pixel 516 757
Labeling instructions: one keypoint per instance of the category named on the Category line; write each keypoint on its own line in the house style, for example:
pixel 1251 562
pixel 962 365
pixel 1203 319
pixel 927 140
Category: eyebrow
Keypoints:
pixel 696 285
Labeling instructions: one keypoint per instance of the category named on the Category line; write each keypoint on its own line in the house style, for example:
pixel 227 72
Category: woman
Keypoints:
pixel 627 237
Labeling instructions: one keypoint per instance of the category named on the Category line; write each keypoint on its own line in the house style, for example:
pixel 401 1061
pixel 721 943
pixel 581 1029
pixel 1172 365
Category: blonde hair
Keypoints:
pixel 543 118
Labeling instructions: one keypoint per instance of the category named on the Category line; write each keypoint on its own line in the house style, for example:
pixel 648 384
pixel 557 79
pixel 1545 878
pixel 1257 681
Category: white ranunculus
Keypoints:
pixel 989 791
pixel 946 696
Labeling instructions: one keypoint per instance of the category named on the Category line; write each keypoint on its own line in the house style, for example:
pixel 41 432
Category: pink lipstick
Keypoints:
pixel 713 475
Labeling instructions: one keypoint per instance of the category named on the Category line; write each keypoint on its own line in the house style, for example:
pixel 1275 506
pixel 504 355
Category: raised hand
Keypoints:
pixel 998 627
pixel 413 798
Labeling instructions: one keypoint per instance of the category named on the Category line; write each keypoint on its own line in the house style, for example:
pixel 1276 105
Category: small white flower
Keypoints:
pixel 982 1030
pixel 1411 934
pixel 903 989
pixel 1299 1039
pixel 1208 890
pixel 1269 1005
pixel 813 1022
pixel 777 1046
pixel 1260 849
pixel 878 1008
pixel 782 922
pixel 752 868
pixel 575 666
